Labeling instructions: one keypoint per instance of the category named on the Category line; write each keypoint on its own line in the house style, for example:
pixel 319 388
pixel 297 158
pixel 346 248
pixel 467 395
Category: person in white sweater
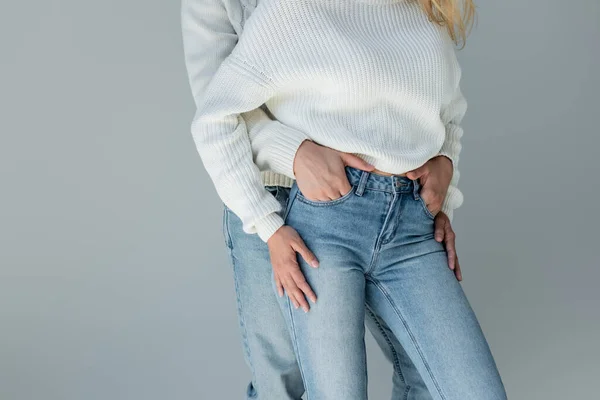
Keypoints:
pixel 371 78
pixel 210 31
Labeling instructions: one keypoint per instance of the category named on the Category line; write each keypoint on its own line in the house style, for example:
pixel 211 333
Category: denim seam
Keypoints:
pixel 372 189
pixel 425 209
pixel 362 183
pixel 398 200
pixel 375 256
pixel 327 203
pixel 290 200
pixel 389 342
pixel 295 342
pixel 228 240
pixel 378 242
pixel 241 321
pixel 417 195
pixel 412 336
pixel 406 392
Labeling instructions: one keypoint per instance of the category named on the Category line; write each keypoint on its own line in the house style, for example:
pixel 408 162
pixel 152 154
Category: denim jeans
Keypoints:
pixel 268 348
pixel 376 246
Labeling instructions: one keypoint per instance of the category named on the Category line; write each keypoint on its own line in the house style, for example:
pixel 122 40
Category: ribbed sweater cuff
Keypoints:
pixel 283 150
pixel 453 200
pixel 267 226
pixel 444 152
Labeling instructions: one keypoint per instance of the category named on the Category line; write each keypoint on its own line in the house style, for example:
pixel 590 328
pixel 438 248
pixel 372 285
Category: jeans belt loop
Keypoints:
pixel 362 183
pixel 416 187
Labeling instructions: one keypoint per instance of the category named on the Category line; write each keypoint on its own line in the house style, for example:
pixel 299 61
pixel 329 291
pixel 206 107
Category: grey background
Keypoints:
pixel 114 281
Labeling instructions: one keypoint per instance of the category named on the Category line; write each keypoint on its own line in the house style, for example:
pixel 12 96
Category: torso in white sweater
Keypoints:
pixel 371 77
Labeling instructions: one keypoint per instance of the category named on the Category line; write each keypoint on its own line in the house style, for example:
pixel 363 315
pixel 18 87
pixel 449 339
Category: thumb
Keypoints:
pixel 417 173
pixel 356 162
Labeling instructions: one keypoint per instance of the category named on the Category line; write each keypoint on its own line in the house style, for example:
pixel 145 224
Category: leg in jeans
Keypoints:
pixel 414 291
pixel 268 350
pixel 374 237
pixel 329 339
pixel 407 383
pixel 267 344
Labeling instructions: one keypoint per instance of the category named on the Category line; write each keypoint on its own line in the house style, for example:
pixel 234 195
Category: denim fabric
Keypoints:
pixel 376 245
pixel 268 348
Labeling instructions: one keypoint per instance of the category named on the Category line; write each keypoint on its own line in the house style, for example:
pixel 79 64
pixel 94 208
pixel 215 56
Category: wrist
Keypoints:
pixel 443 156
pixel 267 226
pixel 301 147
pixel 283 150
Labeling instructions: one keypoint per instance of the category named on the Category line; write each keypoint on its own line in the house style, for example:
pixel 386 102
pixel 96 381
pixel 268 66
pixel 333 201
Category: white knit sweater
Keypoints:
pixel 374 78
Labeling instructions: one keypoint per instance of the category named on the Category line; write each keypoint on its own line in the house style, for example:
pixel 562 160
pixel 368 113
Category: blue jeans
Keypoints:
pixel 268 349
pixel 376 246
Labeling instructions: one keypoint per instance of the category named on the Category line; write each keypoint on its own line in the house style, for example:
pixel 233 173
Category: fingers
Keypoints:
pixel 451 255
pixel 295 294
pixel 299 246
pixel 303 286
pixel 298 289
pixel 288 277
pixel 449 240
pixel 343 188
pixel 291 291
pixel 418 172
pixel 279 286
pixel 352 160
pixel 443 232
pixel 440 224
pixel 432 199
pixel 292 280
pixel 457 271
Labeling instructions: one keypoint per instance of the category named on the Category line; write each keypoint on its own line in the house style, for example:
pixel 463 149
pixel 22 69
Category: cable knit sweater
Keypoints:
pixel 374 78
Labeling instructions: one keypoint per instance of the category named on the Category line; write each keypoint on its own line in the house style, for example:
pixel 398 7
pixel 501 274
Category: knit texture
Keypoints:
pixel 210 31
pixel 374 78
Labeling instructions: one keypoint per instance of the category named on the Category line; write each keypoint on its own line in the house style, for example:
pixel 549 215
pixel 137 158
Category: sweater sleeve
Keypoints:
pixel 452 115
pixel 221 137
pixel 273 143
pixel 208 38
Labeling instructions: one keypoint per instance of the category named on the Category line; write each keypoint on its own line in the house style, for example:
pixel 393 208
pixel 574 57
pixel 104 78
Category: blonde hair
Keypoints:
pixel 456 15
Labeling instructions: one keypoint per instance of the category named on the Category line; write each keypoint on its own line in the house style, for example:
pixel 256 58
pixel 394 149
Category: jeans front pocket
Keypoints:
pixel 324 203
pixel 425 209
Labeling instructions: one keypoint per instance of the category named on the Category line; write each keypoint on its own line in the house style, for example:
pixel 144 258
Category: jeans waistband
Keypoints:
pixel 369 180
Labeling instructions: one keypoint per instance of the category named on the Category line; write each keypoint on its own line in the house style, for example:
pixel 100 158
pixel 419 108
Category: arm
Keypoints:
pixel 452 115
pixel 208 38
pixel 219 131
pixel 222 141
pixel 274 144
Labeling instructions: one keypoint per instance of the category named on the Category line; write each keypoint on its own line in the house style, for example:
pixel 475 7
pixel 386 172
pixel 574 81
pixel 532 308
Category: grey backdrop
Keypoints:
pixel 114 281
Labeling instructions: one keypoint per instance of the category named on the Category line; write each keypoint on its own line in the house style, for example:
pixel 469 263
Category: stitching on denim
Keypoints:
pixel 398 369
pixel 227 234
pixel 399 198
pixel 378 242
pixel 412 336
pixel 241 321
pixel 425 209
pixel 362 183
pixel 327 202
pixel 291 197
pixel 406 392
pixel 375 256
pixel 417 196
pixel 295 342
